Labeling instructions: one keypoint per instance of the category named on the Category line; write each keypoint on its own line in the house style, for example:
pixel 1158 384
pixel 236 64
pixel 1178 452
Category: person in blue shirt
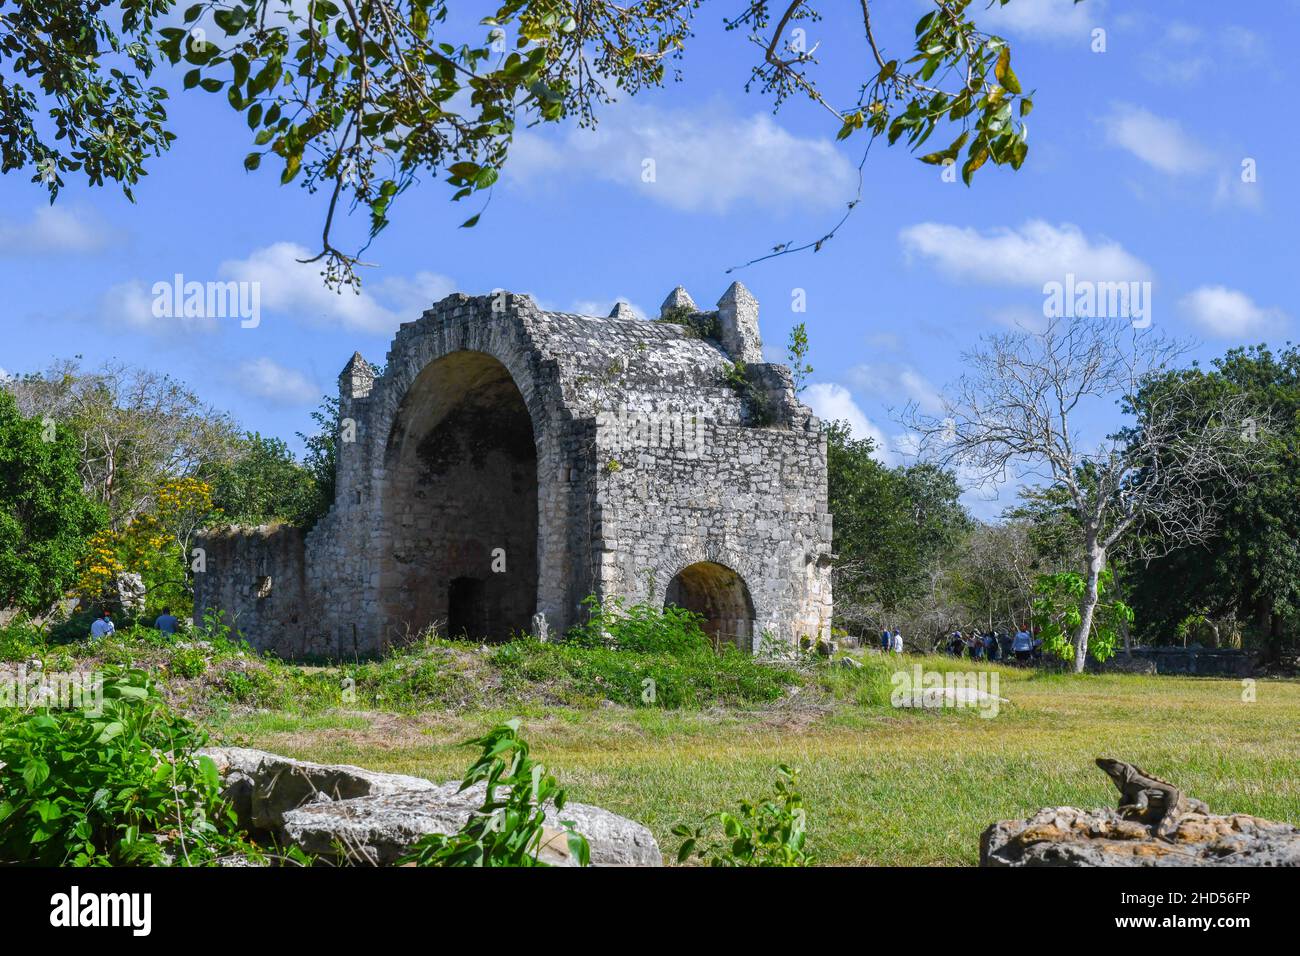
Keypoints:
pixel 886 641
pixel 1022 645
pixel 166 621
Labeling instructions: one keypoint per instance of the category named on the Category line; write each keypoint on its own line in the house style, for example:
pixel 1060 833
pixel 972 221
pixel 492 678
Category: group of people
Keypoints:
pixel 891 642
pixel 102 626
pixel 1025 647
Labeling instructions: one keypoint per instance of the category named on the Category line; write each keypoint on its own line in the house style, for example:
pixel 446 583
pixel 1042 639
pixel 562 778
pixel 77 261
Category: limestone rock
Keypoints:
pixel 377 830
pixel 129 592
pixel 1067 836
pixel 374 817
pixel 263 786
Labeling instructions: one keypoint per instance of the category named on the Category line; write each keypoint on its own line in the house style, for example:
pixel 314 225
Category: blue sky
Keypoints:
pixel 1134 172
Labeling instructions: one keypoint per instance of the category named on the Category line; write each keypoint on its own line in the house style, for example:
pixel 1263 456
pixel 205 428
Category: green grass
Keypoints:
pixel 882 786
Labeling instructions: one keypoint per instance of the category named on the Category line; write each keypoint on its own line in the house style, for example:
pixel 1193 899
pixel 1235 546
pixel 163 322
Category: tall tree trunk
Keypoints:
pixel 1088 607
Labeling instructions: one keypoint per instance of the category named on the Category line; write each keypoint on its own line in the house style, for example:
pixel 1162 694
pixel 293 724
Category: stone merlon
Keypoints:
pixel 738 324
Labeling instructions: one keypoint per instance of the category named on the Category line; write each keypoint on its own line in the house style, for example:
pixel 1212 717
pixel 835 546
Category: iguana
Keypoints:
pixel 1148 798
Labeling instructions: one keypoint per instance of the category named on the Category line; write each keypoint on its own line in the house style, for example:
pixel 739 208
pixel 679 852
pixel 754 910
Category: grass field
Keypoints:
pixel 882 786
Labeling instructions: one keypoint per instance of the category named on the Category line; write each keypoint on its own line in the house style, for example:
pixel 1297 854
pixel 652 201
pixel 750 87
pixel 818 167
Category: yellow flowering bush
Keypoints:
pixel 155 545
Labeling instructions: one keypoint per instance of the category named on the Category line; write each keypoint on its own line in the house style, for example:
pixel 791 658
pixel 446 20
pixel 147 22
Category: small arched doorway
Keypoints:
pixel 720 596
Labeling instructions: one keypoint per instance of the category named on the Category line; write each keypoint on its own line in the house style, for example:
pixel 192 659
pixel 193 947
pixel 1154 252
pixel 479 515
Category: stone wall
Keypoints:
pixel 511 461
pixel 1198 661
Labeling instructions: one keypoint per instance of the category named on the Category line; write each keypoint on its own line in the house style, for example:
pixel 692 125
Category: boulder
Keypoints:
pixel 1067 836
pixel 377 830
pixel 262 786
pixel 372 818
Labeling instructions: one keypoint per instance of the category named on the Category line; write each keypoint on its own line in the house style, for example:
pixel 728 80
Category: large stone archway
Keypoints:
pixel 458 515
pixel 720 596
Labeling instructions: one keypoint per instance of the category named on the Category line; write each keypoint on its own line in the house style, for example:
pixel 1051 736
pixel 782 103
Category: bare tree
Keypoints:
pixel 136 427
pixel 1021 411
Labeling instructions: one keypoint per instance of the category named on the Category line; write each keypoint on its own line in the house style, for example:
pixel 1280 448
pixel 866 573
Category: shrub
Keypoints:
pixel 120 787
pixel 505 831
pixel 642 628
pixel 20 641
pixel 579 675
pixel 188 662
pixel 770 833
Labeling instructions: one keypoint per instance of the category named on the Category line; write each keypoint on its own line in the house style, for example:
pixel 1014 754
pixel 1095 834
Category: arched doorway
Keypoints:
pixel 719 595
pixel 459 507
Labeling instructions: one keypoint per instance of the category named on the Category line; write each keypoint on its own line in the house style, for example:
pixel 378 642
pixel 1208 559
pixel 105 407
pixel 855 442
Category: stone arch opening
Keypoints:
pixel 459 504
pixel 721 597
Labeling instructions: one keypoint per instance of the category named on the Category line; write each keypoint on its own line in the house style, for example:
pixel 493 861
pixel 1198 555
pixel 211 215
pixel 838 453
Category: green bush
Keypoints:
pixel 641 628
pixel 188 662
pixel 21 641
pixel 586 675
pixel 122 787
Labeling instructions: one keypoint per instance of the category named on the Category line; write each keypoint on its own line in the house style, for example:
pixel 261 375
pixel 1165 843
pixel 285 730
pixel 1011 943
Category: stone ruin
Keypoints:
pixel 509 462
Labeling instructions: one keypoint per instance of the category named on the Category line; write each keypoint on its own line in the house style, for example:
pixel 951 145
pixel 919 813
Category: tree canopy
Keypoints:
pixel 357 99
pixel 45 519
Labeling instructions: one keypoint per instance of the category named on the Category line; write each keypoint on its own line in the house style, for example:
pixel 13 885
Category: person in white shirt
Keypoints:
pixel 102 627
pixel 898 643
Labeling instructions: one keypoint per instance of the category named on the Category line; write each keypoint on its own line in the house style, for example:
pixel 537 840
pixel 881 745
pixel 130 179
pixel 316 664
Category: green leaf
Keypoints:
pixel 291 164
pixel 35 772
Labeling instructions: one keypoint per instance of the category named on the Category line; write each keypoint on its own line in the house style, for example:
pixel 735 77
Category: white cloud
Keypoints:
pixel 703 160
pixel 1157 141
pixel 1036 253
pixel 54 229
pixel 897 385
pixel 1052 19
pixel 1185 53
pixel 129 305
pixel 296 288
pixel 831 402
pixel 270 380
pixel 1229 313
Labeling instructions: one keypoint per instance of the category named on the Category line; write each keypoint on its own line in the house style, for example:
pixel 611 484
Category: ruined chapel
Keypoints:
pixel 509 461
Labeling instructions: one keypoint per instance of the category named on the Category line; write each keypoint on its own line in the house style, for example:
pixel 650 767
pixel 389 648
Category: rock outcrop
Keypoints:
pixel 372 818
pixel 1067 836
